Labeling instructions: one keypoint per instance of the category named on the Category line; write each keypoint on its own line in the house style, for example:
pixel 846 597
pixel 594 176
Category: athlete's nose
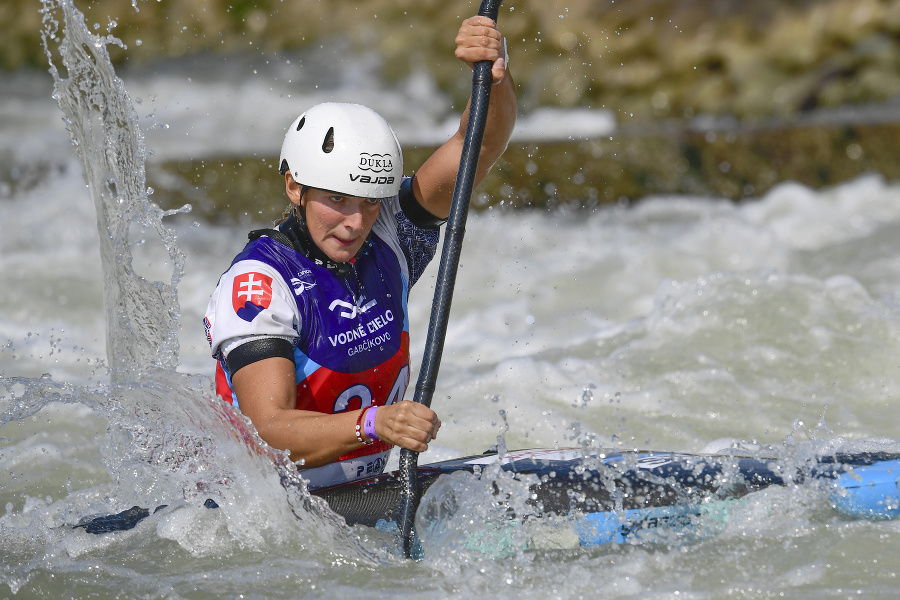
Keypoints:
pixel 353 220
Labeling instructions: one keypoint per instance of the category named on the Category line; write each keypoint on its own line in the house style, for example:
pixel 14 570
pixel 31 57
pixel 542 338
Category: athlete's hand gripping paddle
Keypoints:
pixel 443 291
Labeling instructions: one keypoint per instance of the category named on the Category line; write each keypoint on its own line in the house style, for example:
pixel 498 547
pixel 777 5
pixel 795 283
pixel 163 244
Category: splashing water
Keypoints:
pixel 142 316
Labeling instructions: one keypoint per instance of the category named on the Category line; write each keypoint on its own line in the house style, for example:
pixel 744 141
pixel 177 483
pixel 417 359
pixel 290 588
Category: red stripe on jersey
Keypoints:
pixel 222 387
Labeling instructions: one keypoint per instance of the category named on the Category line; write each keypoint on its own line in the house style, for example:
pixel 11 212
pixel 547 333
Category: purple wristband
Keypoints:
pixel 369 424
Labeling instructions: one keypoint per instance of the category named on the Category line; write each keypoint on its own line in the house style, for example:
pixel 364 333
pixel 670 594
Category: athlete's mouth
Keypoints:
pixel 345 243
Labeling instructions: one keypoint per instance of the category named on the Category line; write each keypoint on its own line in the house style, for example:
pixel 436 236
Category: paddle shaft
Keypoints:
pixel 443 291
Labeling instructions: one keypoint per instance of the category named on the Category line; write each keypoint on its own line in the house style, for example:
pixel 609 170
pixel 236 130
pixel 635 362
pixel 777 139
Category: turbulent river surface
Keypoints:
pixel 675 323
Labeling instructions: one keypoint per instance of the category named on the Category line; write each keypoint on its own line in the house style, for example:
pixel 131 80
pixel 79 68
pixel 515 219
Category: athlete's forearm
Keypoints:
pixel 498 128
pixel 318 439
pixel 314 438
pixel 266 392
pixel 267 395
pixel 433 185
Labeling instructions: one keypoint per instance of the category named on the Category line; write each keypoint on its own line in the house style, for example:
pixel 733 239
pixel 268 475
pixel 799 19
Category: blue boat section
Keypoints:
pixel 628 526
pixel 868 491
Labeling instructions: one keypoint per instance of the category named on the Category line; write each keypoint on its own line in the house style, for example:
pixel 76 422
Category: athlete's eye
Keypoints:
pixel 336 198
pixel 374 200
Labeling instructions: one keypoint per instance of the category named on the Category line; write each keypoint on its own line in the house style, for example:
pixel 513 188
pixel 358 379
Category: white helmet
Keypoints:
pixel 345 148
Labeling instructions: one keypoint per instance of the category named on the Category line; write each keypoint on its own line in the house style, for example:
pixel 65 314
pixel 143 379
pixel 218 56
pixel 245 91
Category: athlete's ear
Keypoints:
pixel 294 190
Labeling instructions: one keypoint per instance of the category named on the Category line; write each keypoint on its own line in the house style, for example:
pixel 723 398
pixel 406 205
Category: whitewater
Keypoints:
pixel 671 323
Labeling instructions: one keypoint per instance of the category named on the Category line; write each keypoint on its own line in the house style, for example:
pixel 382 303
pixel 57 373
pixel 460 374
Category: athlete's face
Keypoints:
pixel 338 224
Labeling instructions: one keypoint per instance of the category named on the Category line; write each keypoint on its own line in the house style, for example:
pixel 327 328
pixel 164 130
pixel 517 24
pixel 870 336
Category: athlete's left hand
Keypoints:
pixel 407 424
pixel 479 39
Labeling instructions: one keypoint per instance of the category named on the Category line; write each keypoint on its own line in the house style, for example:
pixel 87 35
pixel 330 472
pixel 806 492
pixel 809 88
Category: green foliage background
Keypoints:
pixel 656 64
pixel 651 58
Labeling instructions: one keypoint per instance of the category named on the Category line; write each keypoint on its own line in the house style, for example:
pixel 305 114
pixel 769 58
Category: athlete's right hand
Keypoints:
pixel 407 424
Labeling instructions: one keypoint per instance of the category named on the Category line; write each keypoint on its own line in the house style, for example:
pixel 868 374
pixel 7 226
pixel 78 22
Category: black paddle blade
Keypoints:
pixel 125 520
pixel 122 521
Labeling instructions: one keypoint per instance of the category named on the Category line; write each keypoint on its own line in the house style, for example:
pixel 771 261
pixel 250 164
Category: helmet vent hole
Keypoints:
pixel 301 123
pixel 328 143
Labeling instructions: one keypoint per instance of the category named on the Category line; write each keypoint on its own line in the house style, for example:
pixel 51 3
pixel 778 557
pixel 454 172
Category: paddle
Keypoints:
pixel 443 291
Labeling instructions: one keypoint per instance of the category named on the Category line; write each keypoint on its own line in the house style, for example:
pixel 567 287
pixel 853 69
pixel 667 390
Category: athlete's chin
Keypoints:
pixel 341 253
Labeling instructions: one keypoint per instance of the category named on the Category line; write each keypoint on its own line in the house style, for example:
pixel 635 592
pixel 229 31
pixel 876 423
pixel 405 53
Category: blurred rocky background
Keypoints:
pixel 710 97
